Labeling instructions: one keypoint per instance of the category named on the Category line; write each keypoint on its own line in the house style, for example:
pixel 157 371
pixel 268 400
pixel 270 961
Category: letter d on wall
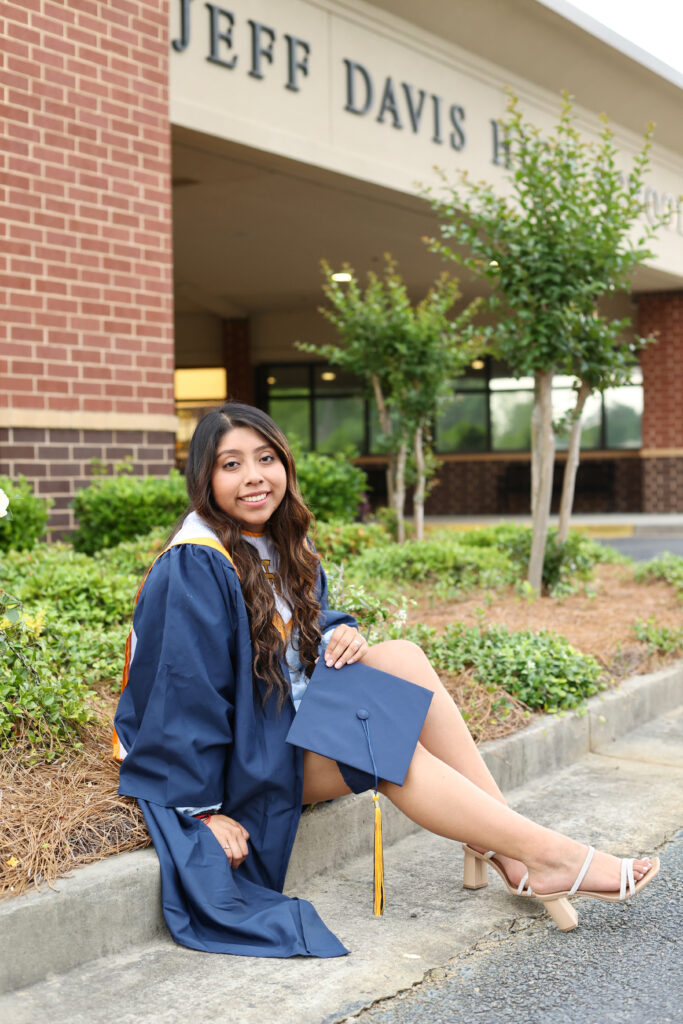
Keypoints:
pixel 353 71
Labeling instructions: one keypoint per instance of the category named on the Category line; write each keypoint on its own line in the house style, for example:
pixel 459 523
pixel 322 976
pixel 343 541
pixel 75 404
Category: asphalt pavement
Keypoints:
pixel 625 967
pixel 642 549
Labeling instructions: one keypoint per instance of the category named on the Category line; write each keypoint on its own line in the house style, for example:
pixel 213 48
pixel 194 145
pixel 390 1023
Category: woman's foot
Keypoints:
pixel 514 869
pixel 558 869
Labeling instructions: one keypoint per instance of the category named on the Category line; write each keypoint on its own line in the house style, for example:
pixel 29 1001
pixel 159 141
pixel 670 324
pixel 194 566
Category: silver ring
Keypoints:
pixel 227 848
pixel 358 643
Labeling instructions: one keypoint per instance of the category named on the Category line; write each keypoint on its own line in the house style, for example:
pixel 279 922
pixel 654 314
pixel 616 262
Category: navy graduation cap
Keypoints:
pixel 365 718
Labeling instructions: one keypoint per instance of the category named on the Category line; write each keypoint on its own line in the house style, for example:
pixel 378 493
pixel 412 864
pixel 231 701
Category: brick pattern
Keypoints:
pixel 661 314
pixel 58 462
pixel 85 207
pixel 663 485
pixel 500 488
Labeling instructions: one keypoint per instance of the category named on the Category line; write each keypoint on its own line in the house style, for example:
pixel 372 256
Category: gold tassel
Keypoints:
pixel 379 860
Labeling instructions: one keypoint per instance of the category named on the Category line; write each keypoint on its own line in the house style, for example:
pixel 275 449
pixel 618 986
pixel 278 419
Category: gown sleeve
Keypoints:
pixel 175 715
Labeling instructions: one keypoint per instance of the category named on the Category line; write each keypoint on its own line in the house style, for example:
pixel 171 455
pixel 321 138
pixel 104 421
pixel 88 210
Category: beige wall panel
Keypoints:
pixel 272 335
pixel 310 123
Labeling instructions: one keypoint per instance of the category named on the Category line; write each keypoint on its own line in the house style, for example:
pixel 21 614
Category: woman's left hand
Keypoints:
pixel 346 646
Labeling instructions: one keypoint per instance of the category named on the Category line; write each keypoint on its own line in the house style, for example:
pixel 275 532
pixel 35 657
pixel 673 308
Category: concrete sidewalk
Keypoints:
pixel 111 910
pixel 625 797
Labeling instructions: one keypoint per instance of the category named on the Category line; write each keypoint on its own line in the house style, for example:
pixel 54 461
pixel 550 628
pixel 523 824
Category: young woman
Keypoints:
pixel 228 626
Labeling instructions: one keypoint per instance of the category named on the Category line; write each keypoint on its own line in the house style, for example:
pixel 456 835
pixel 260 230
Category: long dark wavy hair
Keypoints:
pixel 288 526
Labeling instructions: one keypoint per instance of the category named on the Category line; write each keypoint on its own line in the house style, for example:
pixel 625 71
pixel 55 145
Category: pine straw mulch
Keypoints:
pixel 59 815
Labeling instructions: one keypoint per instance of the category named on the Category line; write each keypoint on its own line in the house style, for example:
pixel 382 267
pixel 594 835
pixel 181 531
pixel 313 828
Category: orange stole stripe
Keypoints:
pixel 207 542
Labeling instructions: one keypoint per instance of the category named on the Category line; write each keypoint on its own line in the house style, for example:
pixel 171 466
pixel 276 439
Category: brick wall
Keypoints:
pixel 661 314
pixel 86 341
pixel 59 461
pixel 502 487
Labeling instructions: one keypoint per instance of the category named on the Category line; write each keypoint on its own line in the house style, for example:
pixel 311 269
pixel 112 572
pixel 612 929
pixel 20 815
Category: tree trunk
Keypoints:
pixel 400 491
pixel 572 464
pixel 545 465
pixel 420 486
pixel 385 424
pixel 535 448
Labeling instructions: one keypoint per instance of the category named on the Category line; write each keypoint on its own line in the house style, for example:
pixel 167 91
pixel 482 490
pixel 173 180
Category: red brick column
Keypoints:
pixel 86 337
pixel 661 314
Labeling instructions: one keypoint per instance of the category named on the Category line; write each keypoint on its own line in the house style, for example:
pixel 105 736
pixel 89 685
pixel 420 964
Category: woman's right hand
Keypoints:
pixel 232 837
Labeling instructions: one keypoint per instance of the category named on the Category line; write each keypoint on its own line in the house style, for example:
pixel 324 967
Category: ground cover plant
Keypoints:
pixel 501 651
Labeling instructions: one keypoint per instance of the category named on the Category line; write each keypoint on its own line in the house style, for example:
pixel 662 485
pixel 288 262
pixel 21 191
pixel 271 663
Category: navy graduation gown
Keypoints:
pixel 196 735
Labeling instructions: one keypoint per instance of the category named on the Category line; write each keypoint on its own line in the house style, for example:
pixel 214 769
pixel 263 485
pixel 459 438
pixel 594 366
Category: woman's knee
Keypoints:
pixel 397 651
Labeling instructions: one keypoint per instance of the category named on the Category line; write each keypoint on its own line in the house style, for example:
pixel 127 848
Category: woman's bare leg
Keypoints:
pixel 445 733
pixel 443 801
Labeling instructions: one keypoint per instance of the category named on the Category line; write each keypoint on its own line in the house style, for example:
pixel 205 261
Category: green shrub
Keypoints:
pixel 69 586
pixel 133 557
pixel 659 639
pixel 43 694
pixel 564 564
pixel 539 668
pixel 29 515
pixel 336 542
pixel 331 485
pixel 114 509
pixel 666 567
pixel 444 559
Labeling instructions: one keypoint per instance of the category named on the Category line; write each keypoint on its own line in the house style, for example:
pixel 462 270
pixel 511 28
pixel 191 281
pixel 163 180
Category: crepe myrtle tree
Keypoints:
pixel 567 234
pixel 407 355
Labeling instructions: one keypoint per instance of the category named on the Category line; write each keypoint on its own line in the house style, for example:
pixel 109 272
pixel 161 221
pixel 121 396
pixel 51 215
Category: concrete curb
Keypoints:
pixel 105 907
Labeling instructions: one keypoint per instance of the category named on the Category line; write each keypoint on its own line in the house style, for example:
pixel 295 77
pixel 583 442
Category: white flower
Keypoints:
pixel 4 503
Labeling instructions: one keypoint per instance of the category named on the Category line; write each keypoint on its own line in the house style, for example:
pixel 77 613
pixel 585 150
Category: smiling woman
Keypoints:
pixel 231 622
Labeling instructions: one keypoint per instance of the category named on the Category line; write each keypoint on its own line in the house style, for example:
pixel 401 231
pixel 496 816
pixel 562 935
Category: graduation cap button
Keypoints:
pixel 362 713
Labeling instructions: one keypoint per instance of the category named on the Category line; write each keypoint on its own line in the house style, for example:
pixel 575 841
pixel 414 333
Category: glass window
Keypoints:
pixel 289 381
pixel 564 401
pixel 339 424
pixel 511 420
pixel 624 417
pixel 328 408
pixel 461 424
pixel 293 417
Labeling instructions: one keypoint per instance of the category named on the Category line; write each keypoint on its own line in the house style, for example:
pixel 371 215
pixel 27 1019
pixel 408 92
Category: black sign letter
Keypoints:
pixel 294 64
pixel 216 36
pixel 184 41
pixel 414 112
pixel 436 103
pixel 351 67
pixel 457 136
pixel 258 50
pixel 389 104
pixel 501 148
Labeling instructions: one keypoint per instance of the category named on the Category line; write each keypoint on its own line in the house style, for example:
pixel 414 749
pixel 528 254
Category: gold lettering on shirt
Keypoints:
pixel 265 562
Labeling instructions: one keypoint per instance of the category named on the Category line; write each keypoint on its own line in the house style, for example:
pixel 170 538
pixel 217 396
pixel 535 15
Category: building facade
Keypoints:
pixel 174 171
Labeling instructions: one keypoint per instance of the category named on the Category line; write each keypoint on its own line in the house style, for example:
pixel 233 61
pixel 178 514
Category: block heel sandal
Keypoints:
pixel 556 903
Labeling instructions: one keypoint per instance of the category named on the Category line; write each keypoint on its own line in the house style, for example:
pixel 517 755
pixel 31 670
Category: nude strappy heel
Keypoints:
pixel 475 876
pixel 557 902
